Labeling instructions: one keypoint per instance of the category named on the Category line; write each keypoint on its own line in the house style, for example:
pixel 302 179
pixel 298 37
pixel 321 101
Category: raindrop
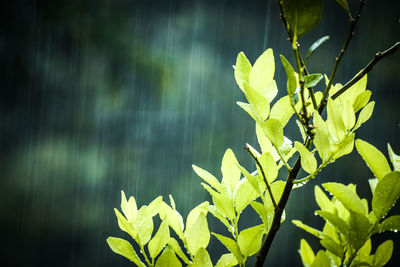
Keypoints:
pixel 395 230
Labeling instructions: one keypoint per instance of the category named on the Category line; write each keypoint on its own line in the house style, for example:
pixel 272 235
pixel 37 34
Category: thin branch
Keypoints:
pixel 263 175
pixel 378 56
pixel 353 22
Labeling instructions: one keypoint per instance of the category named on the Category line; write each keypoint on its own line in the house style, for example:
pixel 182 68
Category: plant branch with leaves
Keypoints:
pixel 346 237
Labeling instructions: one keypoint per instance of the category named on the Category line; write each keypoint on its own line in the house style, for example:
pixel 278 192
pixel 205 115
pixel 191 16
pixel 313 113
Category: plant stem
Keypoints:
pixel 263 175
pixel 378 56
pixel 353 22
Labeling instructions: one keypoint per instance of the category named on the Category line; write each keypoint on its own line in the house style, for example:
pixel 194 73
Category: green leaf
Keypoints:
pixel 175 246
pixel 359 228
pixel 348 115
pixel 316 45
pixel 353 92
pixel 242 70
pixel 168 259
pixel 302 16
pixel 269 166
pixel 337 222
pixel 248 108
pixel 344 147
pixel 223 203
pixel 306 253
pixel 309 229
pixel 173 218
pixel 386 193
pixel 266 214
pixel 372 183
pixel 154 207
pixel 227 260
pixel 322 137
pixel 143 225
pixel 194 213
pixel 230 170
pixel 262 74
pixel 265 144
pixel 374 159
pixel 301 129
pixel 312 80
pixel 250 240
pixel 258 103
pixel 344 194
pixel 344 4
pixel 390 224
pixel 361 100
pixel 207 177
pixel 129 208
pixel 321 260
pixel 124 225
pixel 244 194
pixel 335 122
pixel 159 240
pixel 201 259
pixel 383 253
pixel 365 114
pixel 274 131
pixel 365 250
pixel 322 200
pixel 282 110
pixel 277 188
pixel 253 181
pixel 197 235
pixel 213 210
pixel 332 246
pixel 124 248
pixel 231 245
pixel 308 162
pixel 395 159
pixel 291 77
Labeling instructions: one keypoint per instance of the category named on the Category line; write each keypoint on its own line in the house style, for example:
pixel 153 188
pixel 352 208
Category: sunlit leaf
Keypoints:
pixel 383 253
pixel 124 225
pixel 308 162
pixel 154 206
pixel 374 159
pixel 159 240
pixel 332 246
pixel 306 253
pixel 231 245
pixel 387 191
pixel 345 195
pixel 227 260
pixel 265 144
pixel 262 74
pixel 274 131
pixel 201 259
pixel 321 138
pixel 258 103
pixel 302 16
pixel 282 110
pixel 207 177
pixel 334 219
pixel 213 210
pixel 348 115
pixel 173 218
pixel 265 214
pixel 395 159
pixel 124 248
pixel 321 260
pixel 242 70
pixel 316 45
pixel 365 114
pixel 312 80
pixel 198 235
pixel 361 100
pixel 250 240
pixel 309 229
pixel 178 250
pixel 129 207
pixel 244 194
pixel 353 92
pixel 322 200
pixel 247 107
pixel 194 213
pixel 230 170
pixel 291 77
pixel 269 166
pixel 168 259
pixel 223 203
pixel 335 122
pixel 344 147
pixel 372 184
pixel 143 225
pixel 390 224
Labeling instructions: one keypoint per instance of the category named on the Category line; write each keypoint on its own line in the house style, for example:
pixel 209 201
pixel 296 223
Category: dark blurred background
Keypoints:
pixel 99 96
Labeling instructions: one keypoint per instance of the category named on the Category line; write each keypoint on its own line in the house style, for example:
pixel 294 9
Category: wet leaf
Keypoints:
pixel 159 240
pixel 207 177
pixel 250 240
pixel 306 253
pixel 124 248
pixel 312 80
pixel 344 194
pixel 308 162
pixel 168 259
pixel 316 45
pixel 231 245
pixel 201 259
pixel 242 70
pixel 387 191
pixel 383 253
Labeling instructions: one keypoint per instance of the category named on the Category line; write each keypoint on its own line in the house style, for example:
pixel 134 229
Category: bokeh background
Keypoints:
pixel 99 96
